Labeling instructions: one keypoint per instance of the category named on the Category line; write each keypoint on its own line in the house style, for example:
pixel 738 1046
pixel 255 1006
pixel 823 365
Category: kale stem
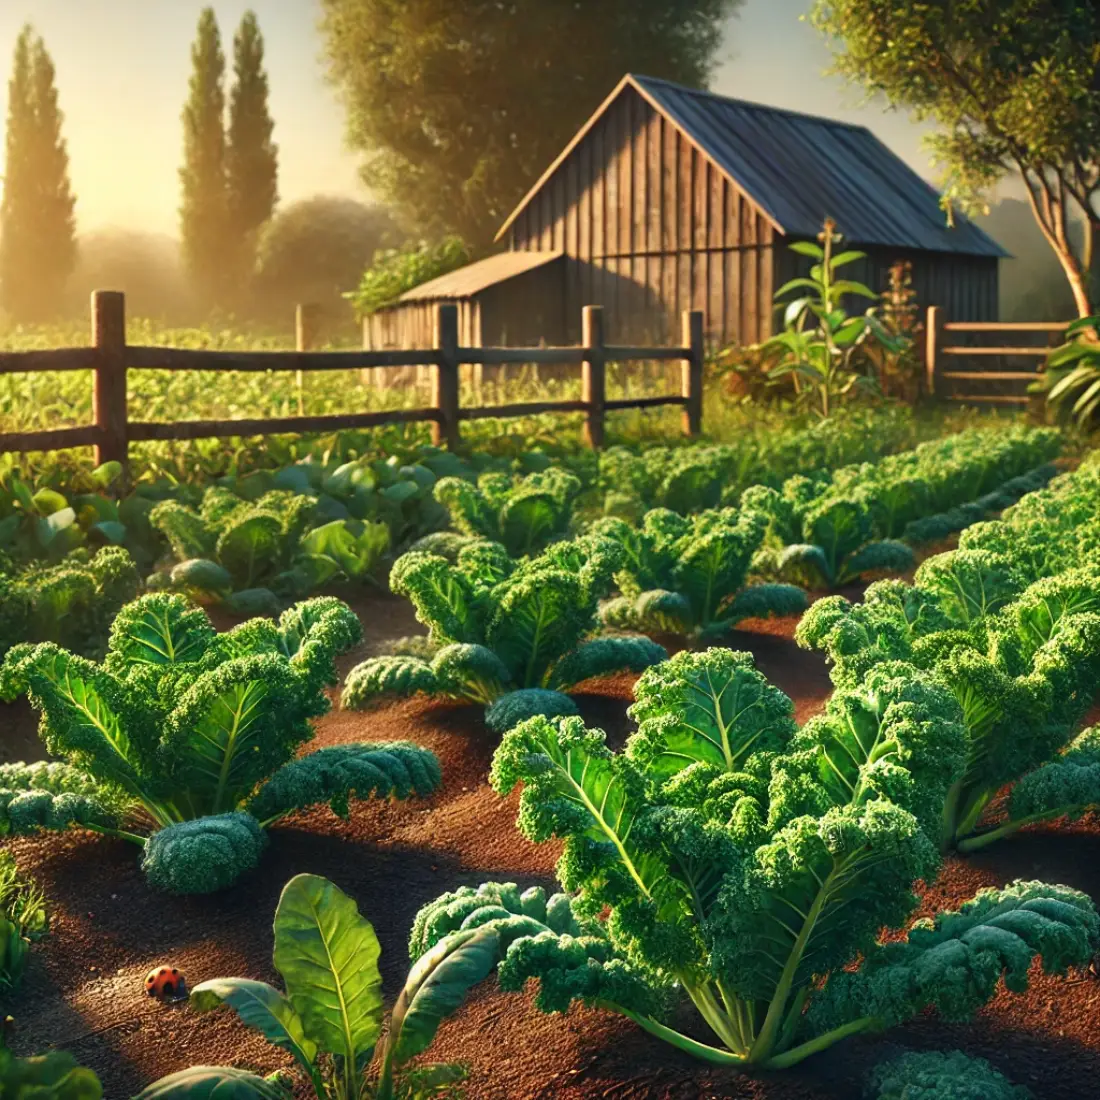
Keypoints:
pixel 689 1046
pixel 793 1057
pixel 120 834
pixel 981 840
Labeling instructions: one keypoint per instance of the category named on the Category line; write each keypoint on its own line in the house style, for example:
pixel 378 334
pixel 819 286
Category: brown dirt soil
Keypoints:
pixel 83 990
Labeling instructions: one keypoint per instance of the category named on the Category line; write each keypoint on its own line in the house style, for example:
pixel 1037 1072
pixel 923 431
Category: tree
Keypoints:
pixel 251 156
pixel 204 222
pixel 1015 88
pixel 316 249
pixel 37 223
pixel 460 107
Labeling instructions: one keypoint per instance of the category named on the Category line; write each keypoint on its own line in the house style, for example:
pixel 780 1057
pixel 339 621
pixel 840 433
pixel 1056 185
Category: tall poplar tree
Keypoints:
pixel 204 223
pixel 251 156
pixel 37 223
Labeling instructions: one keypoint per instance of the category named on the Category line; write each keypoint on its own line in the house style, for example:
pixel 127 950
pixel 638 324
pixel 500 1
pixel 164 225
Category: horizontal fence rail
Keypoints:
pixel 985 386
pixel 111 358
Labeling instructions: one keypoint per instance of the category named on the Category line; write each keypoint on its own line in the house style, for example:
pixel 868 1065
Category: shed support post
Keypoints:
pixel 593 374
pixel 445 376
pixel 307 319
pixel 933 339
pixel 109 393
pixel 691 386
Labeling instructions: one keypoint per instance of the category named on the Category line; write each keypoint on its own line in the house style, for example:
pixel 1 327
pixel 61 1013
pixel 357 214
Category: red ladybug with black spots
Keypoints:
pixel 166 983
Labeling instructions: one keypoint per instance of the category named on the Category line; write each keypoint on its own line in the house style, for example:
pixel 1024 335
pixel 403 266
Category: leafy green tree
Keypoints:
pixel 204 219
pixel 251 158
pixel 1014 86
pixel 460 107
pixel 37 226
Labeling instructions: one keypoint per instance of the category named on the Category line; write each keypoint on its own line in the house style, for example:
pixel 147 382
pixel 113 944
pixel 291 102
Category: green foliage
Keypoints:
pixel 731 858
pixel 467 183
pixel 330 1017
pixel 396 270
pixel 212 1083
pixel 37 223
pixel 53 1076
pixel 23 920
pixel 822 359
pixel 503 625
pixel 271 544
pixel 188 732
pixel 1071 375
pixel 933 1074
pixel 829 530
pixel 1010 624
pixel 1007 85
pixel 72 604
pixel 688 576
pixel 513 707
pixel 524 517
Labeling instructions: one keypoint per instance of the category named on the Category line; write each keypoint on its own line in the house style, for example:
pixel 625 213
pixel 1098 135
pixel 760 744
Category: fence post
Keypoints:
pixel 933 338
pixel 593 374
pixel 109 393
pixel 445 375
pixel 307 320
pixel 691 386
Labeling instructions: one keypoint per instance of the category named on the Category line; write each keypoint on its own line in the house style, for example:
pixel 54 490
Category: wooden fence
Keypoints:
pixel 111 358
pixel 983 385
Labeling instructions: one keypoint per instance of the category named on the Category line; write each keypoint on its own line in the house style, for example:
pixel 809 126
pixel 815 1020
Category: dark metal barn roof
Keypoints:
pixel 798 169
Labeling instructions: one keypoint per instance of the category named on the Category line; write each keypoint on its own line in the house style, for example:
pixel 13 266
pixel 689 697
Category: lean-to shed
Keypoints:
pixel 670 198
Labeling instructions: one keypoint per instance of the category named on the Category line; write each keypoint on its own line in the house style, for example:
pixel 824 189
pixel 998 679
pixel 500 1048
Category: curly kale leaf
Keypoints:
pixel 382 769
pixel 388 677
pixel 1068 786
pixel 472 672
pixel 934 1075
pixel 710 709
pixel 970 584
pixel 516 706
pixel 187 532
pixel 203 855
pixel 605 657
pixel 445 601
pixel 955 962
pixel 158 629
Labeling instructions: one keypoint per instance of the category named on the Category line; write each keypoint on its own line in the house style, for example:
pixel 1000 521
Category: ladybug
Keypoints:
pixel 166 983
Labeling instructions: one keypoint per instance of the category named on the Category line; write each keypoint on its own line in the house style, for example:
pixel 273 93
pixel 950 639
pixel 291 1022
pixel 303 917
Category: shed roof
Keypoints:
pixel 467 281
pixel 799 168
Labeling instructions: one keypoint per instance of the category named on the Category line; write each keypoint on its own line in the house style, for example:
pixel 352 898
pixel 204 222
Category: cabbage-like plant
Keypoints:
pixel 1071 375
pixel 330 1016
pixel 186 742
pixel 523 516
pixel 937 1075
pixel 254 554
pixel 1010 624
pixel 72 603
pixel 687 576
pixel 729 859
pixel 511 635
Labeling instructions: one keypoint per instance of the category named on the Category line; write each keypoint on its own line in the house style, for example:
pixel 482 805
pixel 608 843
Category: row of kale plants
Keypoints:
pixel 259 540
pixel 724 856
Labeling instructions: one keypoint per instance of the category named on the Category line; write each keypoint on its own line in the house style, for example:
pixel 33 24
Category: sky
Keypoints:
pixel 123 67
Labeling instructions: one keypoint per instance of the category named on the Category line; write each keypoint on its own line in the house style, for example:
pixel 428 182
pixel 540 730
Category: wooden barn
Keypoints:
pixel 670 198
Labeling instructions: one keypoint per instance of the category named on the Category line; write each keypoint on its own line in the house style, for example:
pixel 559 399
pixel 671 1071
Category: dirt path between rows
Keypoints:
pixel 83 991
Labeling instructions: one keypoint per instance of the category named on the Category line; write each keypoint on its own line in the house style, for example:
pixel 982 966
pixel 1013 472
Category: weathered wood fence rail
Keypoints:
pixel 983 386
pixel 111 358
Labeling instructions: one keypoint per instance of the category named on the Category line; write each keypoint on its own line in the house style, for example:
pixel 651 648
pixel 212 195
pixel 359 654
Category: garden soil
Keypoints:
pixel 83 991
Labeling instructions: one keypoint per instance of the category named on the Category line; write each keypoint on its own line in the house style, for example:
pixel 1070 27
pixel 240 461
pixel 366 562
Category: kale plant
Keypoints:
pixel 330 1016
pixel 186 742
pixel 687 576
pixel 935 1075
pixel 511 635
pixel 255 554
pixel 1010 624
pixel 524 516
pixel 72 603
pixel 24 920
pixel 728 858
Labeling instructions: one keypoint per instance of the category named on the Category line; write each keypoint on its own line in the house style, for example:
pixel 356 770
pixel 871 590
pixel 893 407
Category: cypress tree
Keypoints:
pixel 37 223
pixel 251 156
pixel 203 213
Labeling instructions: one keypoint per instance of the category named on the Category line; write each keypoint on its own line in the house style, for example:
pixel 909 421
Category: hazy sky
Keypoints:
pixel 123 67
